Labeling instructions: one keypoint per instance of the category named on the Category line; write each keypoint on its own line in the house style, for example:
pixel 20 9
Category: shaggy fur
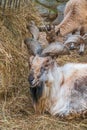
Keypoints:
pixel 65 87
pixel 75 17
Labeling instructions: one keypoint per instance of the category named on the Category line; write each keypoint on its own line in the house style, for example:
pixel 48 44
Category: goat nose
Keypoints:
pixel 30 79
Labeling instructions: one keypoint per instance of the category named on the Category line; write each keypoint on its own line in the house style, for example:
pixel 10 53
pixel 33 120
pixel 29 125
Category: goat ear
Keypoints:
pixel 31 59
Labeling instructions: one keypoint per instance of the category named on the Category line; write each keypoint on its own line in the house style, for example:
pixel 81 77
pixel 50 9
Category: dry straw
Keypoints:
pixel 16 111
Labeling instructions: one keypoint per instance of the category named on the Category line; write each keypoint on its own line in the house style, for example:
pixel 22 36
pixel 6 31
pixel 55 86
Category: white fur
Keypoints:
pixel 59 94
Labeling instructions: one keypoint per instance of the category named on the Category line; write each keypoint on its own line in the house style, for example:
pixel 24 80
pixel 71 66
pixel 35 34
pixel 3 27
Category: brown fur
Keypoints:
pixel 75 17
pixel 67 84
pixel 50 34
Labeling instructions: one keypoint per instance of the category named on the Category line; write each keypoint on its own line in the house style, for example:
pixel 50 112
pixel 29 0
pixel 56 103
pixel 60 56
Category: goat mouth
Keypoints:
pixel 36 93
pixel 36 83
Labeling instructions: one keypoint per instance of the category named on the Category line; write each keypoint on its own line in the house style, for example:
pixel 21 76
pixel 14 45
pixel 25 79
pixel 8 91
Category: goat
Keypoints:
pixel 50 33
pixel 49 29
pixel 59 90
pixel 75 18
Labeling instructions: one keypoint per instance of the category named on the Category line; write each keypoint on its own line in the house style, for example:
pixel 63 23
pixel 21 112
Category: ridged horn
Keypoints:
pixel 77 39
pixel 33 46
pixel 55 48
pixel 33 29
pixel 85 38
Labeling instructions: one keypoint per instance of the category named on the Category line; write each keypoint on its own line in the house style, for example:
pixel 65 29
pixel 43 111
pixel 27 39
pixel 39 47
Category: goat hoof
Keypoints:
pixel 81 53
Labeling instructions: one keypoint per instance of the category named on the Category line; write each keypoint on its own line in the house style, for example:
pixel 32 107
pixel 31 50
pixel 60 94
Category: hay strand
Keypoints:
pixel 16 111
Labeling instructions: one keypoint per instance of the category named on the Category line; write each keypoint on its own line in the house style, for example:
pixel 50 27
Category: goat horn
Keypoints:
pixel 34 30
pixel 33 46
pixel 77 39
pixel 85 38
pixel 56 48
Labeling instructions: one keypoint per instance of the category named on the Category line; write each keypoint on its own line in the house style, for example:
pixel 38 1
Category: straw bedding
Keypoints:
pixel 16 111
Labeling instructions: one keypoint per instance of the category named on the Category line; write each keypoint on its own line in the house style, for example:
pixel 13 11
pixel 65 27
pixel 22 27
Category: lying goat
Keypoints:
pixel 60 90
pixel 75 18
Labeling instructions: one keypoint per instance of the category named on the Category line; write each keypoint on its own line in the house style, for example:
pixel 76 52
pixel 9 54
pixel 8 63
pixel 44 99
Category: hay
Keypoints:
pixel 16 111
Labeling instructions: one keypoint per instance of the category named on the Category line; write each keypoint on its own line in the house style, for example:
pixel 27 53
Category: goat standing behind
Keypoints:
pixel 75 17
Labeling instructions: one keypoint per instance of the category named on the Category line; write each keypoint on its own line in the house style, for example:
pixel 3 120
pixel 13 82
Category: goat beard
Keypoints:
pixel 37 92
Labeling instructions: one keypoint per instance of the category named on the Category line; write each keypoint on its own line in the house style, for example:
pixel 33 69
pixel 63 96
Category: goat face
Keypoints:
pixel 37 78
pixel 39 69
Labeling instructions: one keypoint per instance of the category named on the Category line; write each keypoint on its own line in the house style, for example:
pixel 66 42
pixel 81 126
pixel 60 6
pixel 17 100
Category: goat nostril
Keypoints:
pixel 38 76
pixel 56 33
pixel 31 78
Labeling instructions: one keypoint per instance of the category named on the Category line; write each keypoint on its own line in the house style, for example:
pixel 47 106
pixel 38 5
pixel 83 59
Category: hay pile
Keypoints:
pixel 13 55
pixel 16 111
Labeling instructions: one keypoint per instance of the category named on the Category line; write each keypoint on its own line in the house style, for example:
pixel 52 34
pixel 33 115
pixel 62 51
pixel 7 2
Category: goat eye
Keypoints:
pixel 47 60
pixel 42 69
